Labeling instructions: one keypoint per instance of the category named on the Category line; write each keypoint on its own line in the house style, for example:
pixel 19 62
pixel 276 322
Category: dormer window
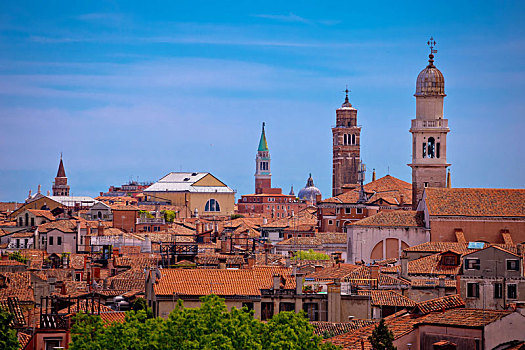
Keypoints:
pixel 449 260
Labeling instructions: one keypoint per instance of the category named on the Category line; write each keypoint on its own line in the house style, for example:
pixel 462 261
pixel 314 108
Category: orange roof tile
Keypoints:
pixel 322 328
pixel 427 265
pixel 489 202
pixel 18 284
pixel 44 213
pixel 469 318
pixel 220 282
pixel 439 304
pixel 396 218
pixel 382 297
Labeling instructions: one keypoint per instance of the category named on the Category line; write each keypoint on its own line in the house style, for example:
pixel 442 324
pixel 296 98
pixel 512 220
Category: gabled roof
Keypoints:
pixel 186 182
pixel 485 202
pixel 42 213
pixel 387 298
pixel 396 218
pixel 494 247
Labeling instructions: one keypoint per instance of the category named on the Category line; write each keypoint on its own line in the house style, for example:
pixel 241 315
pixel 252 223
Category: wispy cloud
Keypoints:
pixel 293 18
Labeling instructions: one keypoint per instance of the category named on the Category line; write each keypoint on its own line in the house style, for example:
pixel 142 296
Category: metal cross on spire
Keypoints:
pixel 346 92
pixel 432 43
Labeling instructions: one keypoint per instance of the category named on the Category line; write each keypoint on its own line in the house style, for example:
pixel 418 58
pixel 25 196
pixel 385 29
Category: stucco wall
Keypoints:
pixel 485 230
pixel 511 327
pixel 363 239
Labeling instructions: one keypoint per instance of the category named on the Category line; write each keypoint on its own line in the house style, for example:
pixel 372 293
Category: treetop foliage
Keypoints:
pixel 382 338
pixel 310 255
pixel 211 326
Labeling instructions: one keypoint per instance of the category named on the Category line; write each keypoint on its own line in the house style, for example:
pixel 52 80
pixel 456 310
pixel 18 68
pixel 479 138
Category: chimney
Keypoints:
pixel 441 289
pixel 401 198
pixel 373 175
pixel 404 266
pixel 38 191
pixel 374 272
pixel 449 181
pixel 318 268
pixel 276 282
pixel 100 229
pixel 318 198
pixel 299 283
pixel 251 262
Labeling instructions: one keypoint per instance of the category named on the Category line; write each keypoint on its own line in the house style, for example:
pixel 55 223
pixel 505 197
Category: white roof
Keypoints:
pixel 183 182
pixel 71 200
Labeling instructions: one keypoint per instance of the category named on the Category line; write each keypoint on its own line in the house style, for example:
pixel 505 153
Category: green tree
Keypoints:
pixel 210 326
pixel 18 257
pixel 382 338
pixel 142 304
pixel 310 255
pixel 8 338
pixel 169 215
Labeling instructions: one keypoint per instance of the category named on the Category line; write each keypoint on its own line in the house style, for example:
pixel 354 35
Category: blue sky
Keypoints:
pixel 133 89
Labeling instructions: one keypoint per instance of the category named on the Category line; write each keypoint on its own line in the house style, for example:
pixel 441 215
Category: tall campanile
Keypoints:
pixel 429 131
pixel 60 186
pixel 346 147
pixel 263 174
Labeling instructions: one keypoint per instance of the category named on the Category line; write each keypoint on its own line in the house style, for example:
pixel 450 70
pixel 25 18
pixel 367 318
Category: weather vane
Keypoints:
pixel 432 43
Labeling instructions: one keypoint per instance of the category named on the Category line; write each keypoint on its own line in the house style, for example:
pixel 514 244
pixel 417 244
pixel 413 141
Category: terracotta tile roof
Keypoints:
pixel 299 241
pixel 221 282
pixel 42 213
pixel 460 236
pixel 438 247
pixel 124 207
pixel 331 237
pixel 338 271
pixel 129 250
pixel 519 346
pixel 141 261
pixel 398 325
pixel 305 216
pixel 336 328
pixel 396 218
pixel 133 279
pixel 214 259
pixel 507 238
pixel 387 298
pixel 270 259
pixel 362 277
pixel 13 307
pixel 112 317
pixel 60 274
pixel 439 304
pixel 18 285
pixel 66 226
pixel 469 318
pixel 23 339
pixel 387 188
pixel 74 287
pixel 23 235
pixel 427 265
pixel 475 202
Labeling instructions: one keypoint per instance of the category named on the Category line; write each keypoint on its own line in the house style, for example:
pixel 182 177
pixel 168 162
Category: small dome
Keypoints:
pixel 310 192
pixel 430 82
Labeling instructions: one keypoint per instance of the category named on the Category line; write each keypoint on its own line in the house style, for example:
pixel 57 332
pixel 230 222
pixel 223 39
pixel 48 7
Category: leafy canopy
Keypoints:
pixel 8 338
pixel 310 255
pixel 211 326
pixel 382 338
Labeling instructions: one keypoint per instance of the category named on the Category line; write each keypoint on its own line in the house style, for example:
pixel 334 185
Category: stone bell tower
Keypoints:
pixel 429 131
pixel 263 174
pixel 346 147
pixel 60 186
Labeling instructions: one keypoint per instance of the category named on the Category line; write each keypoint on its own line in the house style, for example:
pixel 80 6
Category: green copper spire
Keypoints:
pixel 263 145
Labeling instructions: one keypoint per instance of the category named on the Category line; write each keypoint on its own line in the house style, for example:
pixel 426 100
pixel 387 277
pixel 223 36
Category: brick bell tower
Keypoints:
pixel 346 147
pixel 60 186
pixel 429 131
pixel 263 175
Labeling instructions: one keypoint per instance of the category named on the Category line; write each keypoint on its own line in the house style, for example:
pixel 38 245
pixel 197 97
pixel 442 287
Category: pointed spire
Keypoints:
pixel 263 145
pixel 449 181
pixel 292 192
pixel 61 172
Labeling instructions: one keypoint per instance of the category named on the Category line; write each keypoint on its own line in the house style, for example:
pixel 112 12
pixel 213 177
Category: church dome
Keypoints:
pixel 309 192
pixel 430 82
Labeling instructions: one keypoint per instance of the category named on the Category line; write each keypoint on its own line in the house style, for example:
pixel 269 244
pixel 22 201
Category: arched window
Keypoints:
pixel 431 148
pixel 99 214
pixel 212 205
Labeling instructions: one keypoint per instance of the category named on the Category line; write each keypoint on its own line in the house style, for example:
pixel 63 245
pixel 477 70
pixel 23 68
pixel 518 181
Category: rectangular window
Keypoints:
pixel 32 221
pixel 512 291
pixel 337 223
pixel 437 150
pixel 513 265
pixel 51 240
pixel 472 264
pixel 18 243
pixel 359 210
pixel 59 240
pixel 424 150
pixel 344 139
pixel 348 210
pixel 425 184
pixel 472 290
pixel 330 222
pixel 498 290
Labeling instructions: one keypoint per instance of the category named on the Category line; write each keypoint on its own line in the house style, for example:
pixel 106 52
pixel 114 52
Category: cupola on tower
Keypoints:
pixel 263 175
pixel 429 131
pixel 346 147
